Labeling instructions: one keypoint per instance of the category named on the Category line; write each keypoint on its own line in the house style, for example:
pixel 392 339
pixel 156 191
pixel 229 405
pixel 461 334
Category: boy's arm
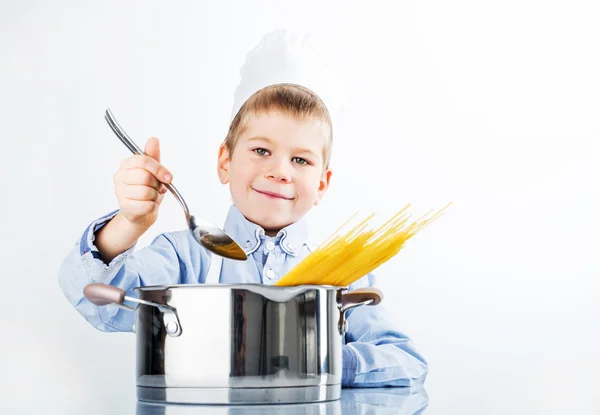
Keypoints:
pixel 117 236
pixel 158 264
pixel 376 354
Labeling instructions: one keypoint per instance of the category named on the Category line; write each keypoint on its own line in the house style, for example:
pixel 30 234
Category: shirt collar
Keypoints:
pixel 247 234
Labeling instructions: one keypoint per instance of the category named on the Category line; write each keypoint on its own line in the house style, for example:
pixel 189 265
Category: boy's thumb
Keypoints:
pixel 153 148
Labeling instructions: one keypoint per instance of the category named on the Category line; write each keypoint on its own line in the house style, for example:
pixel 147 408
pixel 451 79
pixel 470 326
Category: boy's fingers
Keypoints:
pixel 137 176
pixel 151 165
pixel 153 148
pixel 140 193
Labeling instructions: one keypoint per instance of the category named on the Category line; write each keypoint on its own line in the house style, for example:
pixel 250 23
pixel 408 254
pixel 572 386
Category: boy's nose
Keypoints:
pixel 279 171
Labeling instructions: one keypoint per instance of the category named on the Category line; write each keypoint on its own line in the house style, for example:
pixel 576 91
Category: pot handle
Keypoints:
pixel 104 294
pixel 357 298
pixel 361 296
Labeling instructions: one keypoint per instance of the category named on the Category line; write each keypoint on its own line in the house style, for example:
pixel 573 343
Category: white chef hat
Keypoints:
pixel 286 56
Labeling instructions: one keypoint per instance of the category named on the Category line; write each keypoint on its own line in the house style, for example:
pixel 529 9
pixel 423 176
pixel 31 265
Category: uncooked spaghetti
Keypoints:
pixel 343 259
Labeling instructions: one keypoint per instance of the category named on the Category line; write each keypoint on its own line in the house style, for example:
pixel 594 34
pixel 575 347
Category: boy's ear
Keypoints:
pixel 323 185
pixel 223 164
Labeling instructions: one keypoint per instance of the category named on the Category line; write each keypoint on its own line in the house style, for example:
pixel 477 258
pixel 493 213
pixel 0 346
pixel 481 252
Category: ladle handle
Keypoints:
pixel 135 149
pixel 125 139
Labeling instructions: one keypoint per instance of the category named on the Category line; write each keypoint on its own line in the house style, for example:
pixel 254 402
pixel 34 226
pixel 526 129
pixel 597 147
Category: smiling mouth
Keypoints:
pixel 272 195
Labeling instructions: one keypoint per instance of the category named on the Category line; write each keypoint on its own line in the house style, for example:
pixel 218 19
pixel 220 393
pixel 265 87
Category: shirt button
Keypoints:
pixel 270 245
pixel 270 274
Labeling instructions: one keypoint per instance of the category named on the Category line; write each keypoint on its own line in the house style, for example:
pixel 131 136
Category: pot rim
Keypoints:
pixel 237 286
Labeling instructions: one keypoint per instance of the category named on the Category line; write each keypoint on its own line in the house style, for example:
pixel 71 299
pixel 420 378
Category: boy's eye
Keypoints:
pixel 261 151
pixel 299 160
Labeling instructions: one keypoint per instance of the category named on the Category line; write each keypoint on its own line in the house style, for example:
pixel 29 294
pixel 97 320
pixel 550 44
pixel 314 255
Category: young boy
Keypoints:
pixel 275 160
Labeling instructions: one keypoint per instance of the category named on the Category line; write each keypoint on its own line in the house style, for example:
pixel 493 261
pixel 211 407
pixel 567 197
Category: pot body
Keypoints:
pixel 239 344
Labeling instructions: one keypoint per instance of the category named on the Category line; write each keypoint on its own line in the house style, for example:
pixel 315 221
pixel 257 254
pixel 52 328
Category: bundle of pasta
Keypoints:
pixel 343 259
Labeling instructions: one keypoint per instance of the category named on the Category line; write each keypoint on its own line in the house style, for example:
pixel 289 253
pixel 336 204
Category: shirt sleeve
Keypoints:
pixel 376 353
pixel 160 263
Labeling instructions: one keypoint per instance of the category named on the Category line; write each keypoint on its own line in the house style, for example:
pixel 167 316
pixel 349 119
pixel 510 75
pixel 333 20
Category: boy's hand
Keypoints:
pixel 139 186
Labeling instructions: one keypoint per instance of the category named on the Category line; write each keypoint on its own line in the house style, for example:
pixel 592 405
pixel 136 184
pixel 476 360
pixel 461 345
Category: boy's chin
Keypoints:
pixel 270 222
pixel 273 225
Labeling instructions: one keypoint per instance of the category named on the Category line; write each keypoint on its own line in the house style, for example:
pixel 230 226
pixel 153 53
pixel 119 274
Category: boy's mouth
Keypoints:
pixel 272 194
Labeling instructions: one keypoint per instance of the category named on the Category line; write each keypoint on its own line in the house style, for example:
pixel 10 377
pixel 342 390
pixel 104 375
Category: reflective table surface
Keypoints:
pixel 404 401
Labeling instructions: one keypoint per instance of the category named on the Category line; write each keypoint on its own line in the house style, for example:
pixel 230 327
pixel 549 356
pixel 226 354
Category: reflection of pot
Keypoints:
pixel 398 401
pixel 312 408
pixel 238 344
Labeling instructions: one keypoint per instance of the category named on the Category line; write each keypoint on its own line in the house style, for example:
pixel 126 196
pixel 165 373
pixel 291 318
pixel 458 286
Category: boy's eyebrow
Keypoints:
pixel 261 138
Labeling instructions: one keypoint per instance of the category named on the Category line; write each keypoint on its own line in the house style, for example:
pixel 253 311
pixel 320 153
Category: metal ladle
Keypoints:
pixel 207 234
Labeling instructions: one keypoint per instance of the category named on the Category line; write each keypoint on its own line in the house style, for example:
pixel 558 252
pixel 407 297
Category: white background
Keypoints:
pixel 491 105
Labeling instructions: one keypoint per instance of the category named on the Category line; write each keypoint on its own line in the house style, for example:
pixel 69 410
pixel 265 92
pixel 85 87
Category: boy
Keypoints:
pixel 275 160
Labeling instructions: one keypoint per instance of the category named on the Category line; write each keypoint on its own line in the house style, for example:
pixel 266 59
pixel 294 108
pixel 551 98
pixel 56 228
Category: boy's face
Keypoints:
pixel 276 172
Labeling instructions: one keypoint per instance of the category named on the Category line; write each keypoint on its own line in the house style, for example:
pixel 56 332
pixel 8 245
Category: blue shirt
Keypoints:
pixel 374 353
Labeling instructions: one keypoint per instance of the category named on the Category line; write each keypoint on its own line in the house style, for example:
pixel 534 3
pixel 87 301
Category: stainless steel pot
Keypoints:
pixel 238 344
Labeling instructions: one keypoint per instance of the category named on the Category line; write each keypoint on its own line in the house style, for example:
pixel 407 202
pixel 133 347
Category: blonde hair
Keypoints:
pixel 289 99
